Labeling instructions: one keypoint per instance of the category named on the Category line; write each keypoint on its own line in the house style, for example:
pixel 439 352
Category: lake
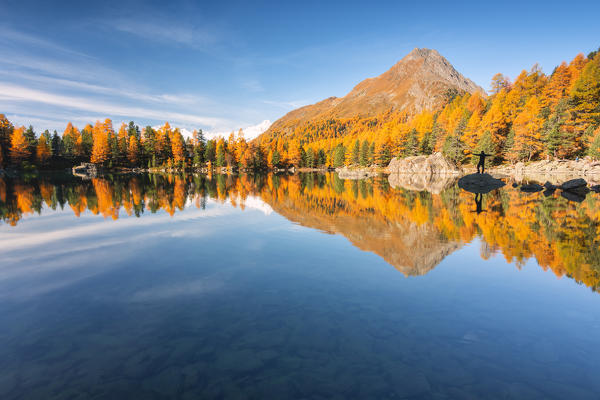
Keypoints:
pixel 303 286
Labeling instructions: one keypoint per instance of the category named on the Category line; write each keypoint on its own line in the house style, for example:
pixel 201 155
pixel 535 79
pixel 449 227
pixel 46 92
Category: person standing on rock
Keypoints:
pixel 481 163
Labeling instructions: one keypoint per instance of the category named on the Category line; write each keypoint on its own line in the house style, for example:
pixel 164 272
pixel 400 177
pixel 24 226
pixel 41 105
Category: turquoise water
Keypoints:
pixel 219 302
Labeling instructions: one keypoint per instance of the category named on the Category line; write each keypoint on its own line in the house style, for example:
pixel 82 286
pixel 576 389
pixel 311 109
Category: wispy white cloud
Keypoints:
pixel 289 105
pixel 55 85
pixel 166 31
pixel 177 289
pixel 95 227
pixel 172 98
pixel 14 93
pixel 12 37
pixel 252 85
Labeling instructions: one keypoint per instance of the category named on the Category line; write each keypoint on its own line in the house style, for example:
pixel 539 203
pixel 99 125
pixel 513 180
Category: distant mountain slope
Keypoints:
pixel 419 81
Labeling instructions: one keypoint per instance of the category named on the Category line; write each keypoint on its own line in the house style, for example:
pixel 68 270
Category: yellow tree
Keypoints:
pixel 586 94
pixel 42 152
pixel 499 82
pixel 133 150
pixel 72 140
pixel 528 127
pixel 6 130
pixel 122 139
pixel 230 156
pixel 558 85
pixel 576 66
pixel 177 147
pixel 495 119
pixel 19 145
pixel 101 147
pixel 240 148
pixel 162 137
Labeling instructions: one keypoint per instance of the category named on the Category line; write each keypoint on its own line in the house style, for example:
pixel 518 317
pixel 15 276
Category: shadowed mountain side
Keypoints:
pixel 422 182
pixel 411 248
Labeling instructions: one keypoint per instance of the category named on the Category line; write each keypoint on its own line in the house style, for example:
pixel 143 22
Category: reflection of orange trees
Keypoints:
pixel 25 198
pixel 2 191
pixel 104 194
pixel 561 236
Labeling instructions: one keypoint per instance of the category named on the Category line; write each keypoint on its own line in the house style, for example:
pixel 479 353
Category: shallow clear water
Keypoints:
pixel 237 288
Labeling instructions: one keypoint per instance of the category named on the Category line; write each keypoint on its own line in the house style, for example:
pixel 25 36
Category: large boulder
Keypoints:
pixel 549 186
pixel 434 183
pixel 87 170
pixel 434 164
pixel 479 183
pixel 354 174
pixel 573 184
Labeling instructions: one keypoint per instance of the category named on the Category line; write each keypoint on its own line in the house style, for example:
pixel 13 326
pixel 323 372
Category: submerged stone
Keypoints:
pixel 548 185
pixel 479 183
pixel 572 196
pixel 532 188
pixel 573 184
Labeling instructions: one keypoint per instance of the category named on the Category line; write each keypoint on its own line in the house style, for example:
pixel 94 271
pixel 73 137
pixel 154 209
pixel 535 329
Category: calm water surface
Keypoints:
pixel 157 287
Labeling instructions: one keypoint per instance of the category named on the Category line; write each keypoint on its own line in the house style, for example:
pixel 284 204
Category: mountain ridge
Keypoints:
pixel 419 81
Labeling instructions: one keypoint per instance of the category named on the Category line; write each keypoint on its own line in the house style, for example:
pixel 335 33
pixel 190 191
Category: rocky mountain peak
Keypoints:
pixel 417 82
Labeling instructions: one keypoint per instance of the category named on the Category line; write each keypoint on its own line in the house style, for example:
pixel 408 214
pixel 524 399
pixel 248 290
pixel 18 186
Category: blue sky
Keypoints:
pixel 227 65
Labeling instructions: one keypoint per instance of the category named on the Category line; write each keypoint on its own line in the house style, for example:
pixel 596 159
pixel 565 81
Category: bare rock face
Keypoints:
pixel 86 170
pixel 434 183
pixel 479 183
pixel 555 171
pixel 435 164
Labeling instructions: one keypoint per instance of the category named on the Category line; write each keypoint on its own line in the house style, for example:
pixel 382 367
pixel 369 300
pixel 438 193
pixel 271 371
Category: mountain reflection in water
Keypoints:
pixel 412 230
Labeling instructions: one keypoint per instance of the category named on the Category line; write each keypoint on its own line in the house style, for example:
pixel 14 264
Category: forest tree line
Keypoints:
pixel 537 116
pixel 129 146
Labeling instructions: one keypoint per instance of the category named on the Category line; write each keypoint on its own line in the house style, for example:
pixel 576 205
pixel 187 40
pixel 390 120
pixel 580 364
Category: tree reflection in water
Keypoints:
pixel 411 230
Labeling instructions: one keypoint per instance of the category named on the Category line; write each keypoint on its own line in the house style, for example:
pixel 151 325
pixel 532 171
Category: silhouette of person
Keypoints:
pixel 481 163
pixel 478 203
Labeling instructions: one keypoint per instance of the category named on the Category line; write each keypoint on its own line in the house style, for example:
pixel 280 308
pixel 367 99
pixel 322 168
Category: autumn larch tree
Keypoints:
pixel 19 146
pixel 178 147
pixel 528 127
pixel 6 130
pixel 133 150
pixel 101 149
pixel 42 153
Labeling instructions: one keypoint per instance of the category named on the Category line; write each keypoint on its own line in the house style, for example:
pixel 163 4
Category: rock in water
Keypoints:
pixel 548 185
pixel 532 188
pixel 435 183
pixel 479 183
pixel 435 164
pixel 573 184
pixel 362 173
pixel 572 196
